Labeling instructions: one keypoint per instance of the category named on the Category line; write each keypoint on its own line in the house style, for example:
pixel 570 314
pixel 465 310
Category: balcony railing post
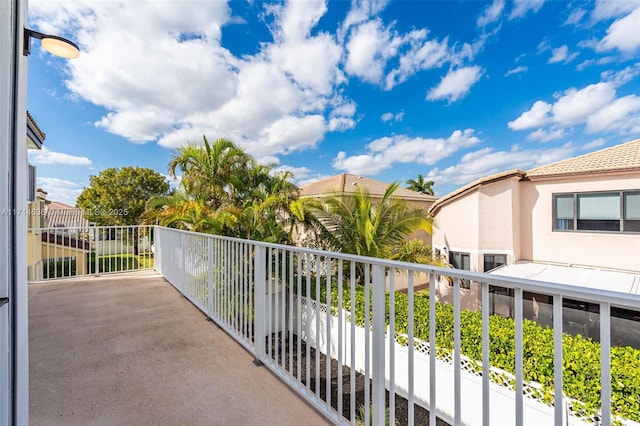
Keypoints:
pixel 260 285
pixel 96 234
pixel 210 255
pixel 378 346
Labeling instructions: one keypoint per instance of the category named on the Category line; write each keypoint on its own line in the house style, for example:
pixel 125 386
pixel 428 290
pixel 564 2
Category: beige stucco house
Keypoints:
pixel 569 222
pixel 581 211
pixel 58 233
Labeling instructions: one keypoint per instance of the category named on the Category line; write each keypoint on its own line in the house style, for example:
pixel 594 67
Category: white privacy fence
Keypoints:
pixel 80 251
pixel 325 324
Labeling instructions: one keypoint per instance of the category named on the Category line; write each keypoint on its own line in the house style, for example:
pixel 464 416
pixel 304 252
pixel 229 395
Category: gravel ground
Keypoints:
pixel 421 415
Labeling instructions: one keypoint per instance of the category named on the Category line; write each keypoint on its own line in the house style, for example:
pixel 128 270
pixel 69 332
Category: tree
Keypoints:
pixel 210 171
pixel 358 225
pixel 225 191
pixel 179 211
pixel 119 196
pixel 420 185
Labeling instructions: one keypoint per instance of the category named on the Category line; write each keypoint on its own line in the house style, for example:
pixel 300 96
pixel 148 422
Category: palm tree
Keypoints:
pixel 267 208
pixel 208 171
pixel 181 212
pixel 356 224
pixel 420 185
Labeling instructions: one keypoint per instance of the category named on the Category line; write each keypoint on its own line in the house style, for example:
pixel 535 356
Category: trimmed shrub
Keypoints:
pixel 112 263
pixel 58 268
pixel 581 356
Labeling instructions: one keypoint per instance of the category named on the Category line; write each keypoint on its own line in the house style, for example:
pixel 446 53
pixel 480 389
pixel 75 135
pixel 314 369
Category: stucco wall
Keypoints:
pixel 486 220
pixel 514 217
pixel 600 249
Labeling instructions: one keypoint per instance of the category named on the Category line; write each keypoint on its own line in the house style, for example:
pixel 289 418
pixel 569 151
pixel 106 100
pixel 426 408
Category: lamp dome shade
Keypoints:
pixel 60 47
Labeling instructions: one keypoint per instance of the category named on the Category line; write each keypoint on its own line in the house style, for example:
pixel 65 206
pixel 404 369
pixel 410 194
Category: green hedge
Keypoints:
pixel 58 268
pixel 113 263
pixel 581 357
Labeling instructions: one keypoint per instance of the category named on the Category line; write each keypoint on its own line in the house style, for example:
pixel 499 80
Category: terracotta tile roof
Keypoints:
pixel 617 158
pixel 348 183
pixel 470 186
pixel 35 135
pixel 32 121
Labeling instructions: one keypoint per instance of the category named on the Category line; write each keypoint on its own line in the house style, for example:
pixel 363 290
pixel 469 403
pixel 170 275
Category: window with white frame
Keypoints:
pixel 614 211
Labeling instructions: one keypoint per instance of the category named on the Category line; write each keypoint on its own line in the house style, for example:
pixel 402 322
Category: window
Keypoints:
pixel 597 211
pixel 564 212
pixel 632 211
pixel 492 261
pixel 461 261
pixel 31 194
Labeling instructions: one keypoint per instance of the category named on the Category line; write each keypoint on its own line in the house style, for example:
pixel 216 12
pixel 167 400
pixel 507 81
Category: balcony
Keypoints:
pixel 350 336
pixel 127 349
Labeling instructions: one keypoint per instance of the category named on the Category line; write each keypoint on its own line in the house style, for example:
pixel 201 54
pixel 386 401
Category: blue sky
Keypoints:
pixel 454 90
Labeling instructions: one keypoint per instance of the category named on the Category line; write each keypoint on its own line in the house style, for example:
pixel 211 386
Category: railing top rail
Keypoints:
pixel 91 227
pixel 534 286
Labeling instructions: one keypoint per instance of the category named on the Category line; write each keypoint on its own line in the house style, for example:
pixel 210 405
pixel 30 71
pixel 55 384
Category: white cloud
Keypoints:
pixel 622 115
pixel 174 182
pixel 379 54
pixel 575 17
pixel 301 175
pixel 488 161
pixel 290 134
pixel 299 18
pixel 596 143
pixel 384 152
pixel 516 70
pixel 368 49
pixel 456 84
pixel 561 54
pixel 574 106
pixel 491 13
pixel 522 7
pixel 167 79
pixel 607 9
pixel 623 34
pixel 156 90
pixel 361 11
pixel 46 156
pixel 618 78
pixel 596 106
pixel 389 116
pixel 423 54
pixel 60 190
pixel 535 117
pixel 543 135
pixel 596 61
pixel 342 115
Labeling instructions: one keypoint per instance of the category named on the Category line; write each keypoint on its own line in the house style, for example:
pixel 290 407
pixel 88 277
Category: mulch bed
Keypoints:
pixel 421 415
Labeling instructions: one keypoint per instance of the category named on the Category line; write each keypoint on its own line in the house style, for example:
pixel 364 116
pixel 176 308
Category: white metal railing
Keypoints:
pixel 326 324
pixel 54 253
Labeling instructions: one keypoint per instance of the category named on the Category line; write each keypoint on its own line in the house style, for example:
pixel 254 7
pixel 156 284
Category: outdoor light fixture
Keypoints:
pixel 55 45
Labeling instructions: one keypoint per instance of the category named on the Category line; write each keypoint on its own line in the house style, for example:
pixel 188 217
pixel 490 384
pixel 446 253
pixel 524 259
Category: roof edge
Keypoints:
pixel 34 133
pixel 473 185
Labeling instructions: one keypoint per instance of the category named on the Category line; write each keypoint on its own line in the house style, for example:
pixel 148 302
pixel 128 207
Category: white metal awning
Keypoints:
pixel 623 282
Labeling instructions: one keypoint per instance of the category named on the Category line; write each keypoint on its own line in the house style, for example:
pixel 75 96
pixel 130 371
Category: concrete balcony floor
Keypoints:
pixel 128 349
